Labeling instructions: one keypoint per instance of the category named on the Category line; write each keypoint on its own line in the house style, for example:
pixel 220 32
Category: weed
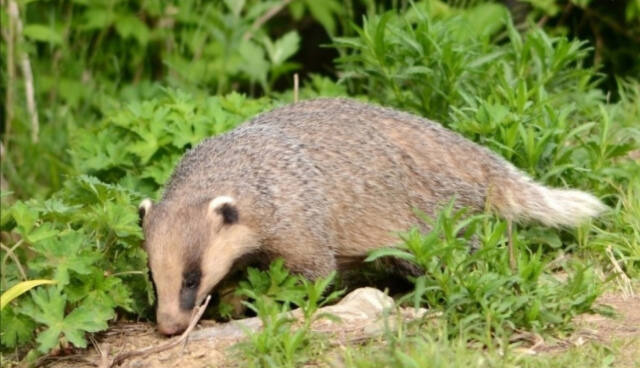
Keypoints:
pixel 272 293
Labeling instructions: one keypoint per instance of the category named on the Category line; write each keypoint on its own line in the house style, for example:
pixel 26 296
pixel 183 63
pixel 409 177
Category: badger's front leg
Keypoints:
pixel 303 255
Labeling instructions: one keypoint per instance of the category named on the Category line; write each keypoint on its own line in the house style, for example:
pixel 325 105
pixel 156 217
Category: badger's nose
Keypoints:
pixel 168 327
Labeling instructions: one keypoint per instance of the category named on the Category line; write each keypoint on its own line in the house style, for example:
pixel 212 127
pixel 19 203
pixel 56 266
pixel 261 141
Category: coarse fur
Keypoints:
pixel 321 183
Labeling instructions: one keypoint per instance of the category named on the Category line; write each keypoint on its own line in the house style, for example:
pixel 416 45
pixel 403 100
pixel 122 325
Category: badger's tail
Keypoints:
pixel 517 197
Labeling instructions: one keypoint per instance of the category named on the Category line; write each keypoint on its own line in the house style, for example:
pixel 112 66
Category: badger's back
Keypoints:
pixel 351 174
pixel 348 172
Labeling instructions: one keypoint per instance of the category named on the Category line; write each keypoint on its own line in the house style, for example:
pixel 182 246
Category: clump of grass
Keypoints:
pixel 430 347
pixel 272 294
pixel 479 295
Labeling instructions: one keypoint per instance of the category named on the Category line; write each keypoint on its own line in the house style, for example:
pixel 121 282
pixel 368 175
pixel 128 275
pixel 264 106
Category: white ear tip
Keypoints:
pixel 145 204
pixel 219 201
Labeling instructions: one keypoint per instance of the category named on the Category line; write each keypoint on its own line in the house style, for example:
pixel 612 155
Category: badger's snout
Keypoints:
pixel 169 324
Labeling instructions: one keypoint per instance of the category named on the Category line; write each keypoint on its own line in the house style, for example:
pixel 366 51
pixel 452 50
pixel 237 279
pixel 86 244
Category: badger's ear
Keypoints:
pixel 226 207
pixel 143 210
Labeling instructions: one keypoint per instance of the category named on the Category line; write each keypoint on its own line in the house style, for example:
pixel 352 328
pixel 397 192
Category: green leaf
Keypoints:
pixel 120 218
pixel 161 171
pixel 390 252
pixel 44 231
pixel 283 48
pixel 324 12
pixel 88 317
pixel 98 289
pixel 70 251
pixel 128 25
pixel 40 32
pixel 97 18
pixel 253 63
pixel 19 289
pixel 15 329
pixel 25 216
pixel 47 308
pixel 235 6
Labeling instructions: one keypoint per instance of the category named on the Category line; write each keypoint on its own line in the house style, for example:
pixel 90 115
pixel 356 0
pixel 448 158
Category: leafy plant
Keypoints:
pixel 123 89
pixel 541 110
pixel 272 293
pixel 479 295
pixel 86 236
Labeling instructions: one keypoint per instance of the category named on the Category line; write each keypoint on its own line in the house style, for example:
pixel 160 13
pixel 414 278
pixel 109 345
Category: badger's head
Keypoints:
pixel 191 247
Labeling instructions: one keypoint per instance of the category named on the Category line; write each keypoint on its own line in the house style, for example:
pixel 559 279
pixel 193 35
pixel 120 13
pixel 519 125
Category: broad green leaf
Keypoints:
pixel 88 317
pixel 161 171
pixel 48 308
pixel 40 32
pixel 120 218
pixel 69 251
pixel 25 216
pixel 44 231
pixel 98 289
pixel 128 25
pixel 324 12
pixel 97 18
pixel 253 63
pixel 15 329
pixel 235 6
pixel 283 48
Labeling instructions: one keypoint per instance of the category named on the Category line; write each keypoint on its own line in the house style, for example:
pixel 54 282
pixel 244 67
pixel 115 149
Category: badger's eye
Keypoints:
pixel 191 280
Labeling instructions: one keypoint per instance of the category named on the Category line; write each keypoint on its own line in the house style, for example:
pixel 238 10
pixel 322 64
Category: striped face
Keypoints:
pixel 190 249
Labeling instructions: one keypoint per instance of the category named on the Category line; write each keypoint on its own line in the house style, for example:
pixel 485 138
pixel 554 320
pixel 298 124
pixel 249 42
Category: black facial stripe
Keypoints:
pixel 229 213
pixel 141 213
pixel 188 299
pixel 153 284
pixel 189 289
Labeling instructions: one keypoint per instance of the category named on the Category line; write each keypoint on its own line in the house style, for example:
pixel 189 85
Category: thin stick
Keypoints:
pixel 13 256
pixel 9 39
pixel 512 252
pixel 29 92
pixel 623 279
pixel 295 87
pixel 264 18
pixel 118 359
pixel 25 64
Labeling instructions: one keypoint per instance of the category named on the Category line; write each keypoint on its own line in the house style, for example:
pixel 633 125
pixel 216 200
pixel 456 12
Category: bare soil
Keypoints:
pixel 622 331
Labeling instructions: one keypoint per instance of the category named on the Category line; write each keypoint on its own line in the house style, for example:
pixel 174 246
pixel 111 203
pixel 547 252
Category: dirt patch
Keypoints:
pixel 622 331
pixel 359 315
pixel 210 343
pixel 625 325
pixel 132 336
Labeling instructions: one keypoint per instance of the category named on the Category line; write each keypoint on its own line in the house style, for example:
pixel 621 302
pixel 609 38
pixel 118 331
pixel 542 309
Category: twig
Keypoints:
pixel 623 279
pixel 118 359
pixel 264 18
pixel 295 87
pixel 9 39
pixel 25 64
pixel 13 256
pixel 512 252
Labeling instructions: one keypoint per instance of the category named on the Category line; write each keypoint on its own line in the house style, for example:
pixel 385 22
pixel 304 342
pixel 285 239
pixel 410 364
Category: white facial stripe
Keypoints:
pixel 219 201
pixel 146 204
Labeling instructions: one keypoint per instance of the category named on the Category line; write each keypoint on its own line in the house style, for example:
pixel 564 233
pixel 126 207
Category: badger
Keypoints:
pixel 320 184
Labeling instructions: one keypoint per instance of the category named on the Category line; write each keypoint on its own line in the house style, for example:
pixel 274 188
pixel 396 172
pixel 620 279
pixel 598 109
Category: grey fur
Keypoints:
pixel 325 181
pixel 320 184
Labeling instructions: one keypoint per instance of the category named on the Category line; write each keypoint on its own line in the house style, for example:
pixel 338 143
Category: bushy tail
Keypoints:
pixel 520 198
